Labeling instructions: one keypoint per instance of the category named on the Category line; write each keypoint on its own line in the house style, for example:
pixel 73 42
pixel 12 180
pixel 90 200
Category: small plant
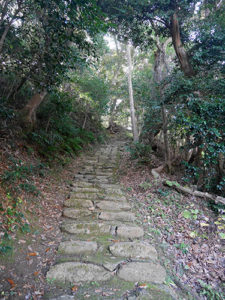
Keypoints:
pixel 183 247
pixel 12 220
pixel 208 291
pixel 140 151
pixel 164 193
pixel 145 185
pixel 191 214
pixel 29 188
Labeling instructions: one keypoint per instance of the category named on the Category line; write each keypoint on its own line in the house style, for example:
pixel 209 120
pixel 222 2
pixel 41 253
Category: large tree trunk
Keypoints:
pixel 2 40
pixel 4 36
pixel 28 113
pixel 166 139
pixel 186 67
pixel 161 69
pixel 131 97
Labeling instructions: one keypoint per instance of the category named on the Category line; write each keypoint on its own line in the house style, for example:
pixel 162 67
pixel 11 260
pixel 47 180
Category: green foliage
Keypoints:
pixel 18 170
pixel 204 122
pixel 209 292
pixel 12 219
pixel 59 129
pixel 183 247
pixel 191 214
pixel 145 185
pixel 140 151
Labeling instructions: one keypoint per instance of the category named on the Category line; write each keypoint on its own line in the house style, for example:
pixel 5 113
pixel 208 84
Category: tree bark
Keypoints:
pixel 182 56
pixel 28 113
pixel 18 87
pixel 2 40
pixel 4 36
pixel 166 140
pixel 161 69
pixel 131 97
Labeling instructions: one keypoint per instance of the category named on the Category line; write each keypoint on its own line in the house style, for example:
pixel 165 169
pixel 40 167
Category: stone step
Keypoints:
pixel 91 228
pixel 142 272
pixel 112 206
pixel 134 250
pixel 117 216
pixel 70 272
pixel 85 190
pixel 82 184
pixel 129 231
pixel 74 213
pixel 97 196
pixel 100 240
pixel 77 247
pixel 79 203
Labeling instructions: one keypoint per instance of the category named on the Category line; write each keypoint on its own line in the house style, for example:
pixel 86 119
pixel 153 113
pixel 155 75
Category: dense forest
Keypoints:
pixel 75 73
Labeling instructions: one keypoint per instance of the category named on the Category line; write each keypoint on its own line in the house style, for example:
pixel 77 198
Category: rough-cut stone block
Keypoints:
pixel 70 272
pixel 117 216
pixel 85 190
pixel 86 228
pixel 114 206
pixel 131 232
pixel 85 195
pixel 76 213
pixel 112 197
pixel 142 272
pixel 133 250
pixel 77 247
pixel 82 184
pixel 79 203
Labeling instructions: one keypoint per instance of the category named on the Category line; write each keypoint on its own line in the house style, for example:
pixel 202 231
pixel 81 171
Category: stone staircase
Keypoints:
pixel 101 241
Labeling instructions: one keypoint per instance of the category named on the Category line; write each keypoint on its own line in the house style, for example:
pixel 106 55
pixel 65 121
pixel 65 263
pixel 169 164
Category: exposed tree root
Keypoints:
pixel 185 190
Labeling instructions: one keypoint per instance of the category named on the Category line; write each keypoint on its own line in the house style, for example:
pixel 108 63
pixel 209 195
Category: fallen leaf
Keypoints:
pixel 74 288
pixel 21 242
pixel 202 224
pixel 12 283
pixel 143 286
pixel 32 254
pixel 36 273
pixel 47 249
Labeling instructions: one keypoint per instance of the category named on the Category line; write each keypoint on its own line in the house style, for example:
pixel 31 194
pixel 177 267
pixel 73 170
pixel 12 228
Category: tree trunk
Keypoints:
pixel 4 36
pixel 166 140
pixel 18 87
pixel 160 71
pixel 131 98
pixel 186 67
pixel 28 113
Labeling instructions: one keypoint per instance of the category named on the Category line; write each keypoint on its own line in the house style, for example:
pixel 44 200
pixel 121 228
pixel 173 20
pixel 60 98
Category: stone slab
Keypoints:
pixel 83 184
pixel 131 232
pixel 77 247
pixel 86 228
pixel 85 190
pixel 134 250
pixel 112 197
pixel 84 195
pixel 77 203
pixel 112 206
pixel 117 216
pixel 71 272
pixel 73 213
pixel 143 272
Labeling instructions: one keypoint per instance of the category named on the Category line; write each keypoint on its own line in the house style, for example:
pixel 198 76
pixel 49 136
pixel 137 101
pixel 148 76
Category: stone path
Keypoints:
pixel 101 241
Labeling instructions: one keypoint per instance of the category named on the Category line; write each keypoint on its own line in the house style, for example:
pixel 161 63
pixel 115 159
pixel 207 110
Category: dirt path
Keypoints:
pixel 104 253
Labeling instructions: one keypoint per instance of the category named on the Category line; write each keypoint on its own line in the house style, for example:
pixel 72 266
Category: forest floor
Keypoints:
pixel 185 230
pixel 28 251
